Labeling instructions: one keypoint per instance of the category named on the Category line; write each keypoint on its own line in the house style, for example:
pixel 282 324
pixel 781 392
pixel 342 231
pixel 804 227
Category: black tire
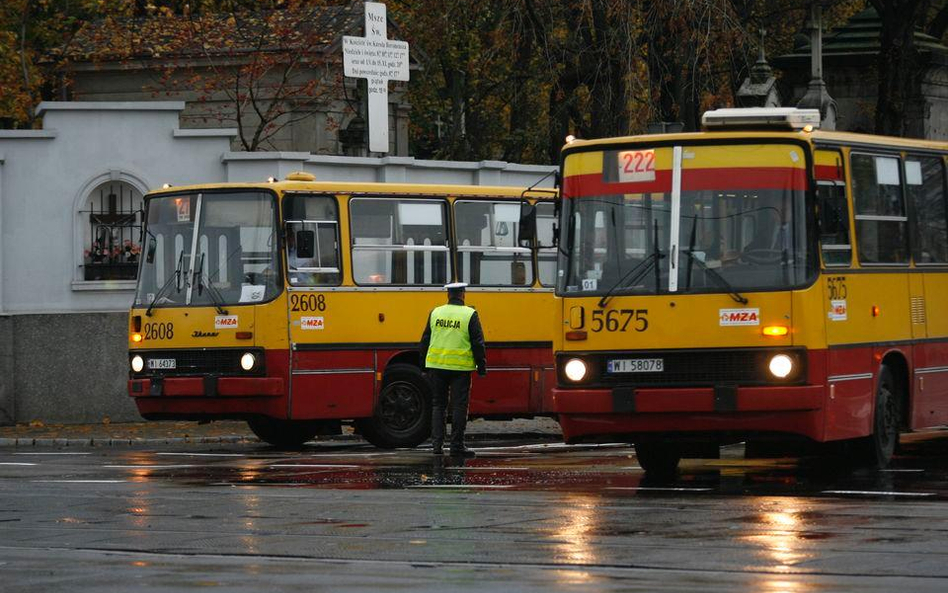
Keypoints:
pixel 402 416
pixel 878 448
pixel 658 459
pixel 286 434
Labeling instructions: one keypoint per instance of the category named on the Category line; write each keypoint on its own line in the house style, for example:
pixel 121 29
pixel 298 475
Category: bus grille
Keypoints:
pixel 191 363
pixel 690 368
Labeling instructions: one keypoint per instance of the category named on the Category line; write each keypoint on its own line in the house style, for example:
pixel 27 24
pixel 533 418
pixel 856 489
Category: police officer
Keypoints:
pixel 452 346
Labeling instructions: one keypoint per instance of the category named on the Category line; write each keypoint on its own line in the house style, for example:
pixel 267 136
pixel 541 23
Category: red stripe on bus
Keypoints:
pixel 828 172
pixel 731 178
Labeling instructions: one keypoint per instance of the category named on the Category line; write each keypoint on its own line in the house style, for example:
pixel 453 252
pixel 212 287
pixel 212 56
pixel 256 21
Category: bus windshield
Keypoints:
pixel 211 249
pixel 735 230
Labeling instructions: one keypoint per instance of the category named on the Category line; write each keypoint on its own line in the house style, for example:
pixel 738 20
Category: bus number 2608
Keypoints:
pixel 308 302
pixel 158 331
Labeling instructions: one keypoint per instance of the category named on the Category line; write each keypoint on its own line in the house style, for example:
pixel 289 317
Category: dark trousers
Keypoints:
pixel 459 385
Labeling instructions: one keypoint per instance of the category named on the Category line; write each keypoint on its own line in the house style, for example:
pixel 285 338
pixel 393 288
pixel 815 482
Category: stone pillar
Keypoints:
pixel 816 96
pixel 760 88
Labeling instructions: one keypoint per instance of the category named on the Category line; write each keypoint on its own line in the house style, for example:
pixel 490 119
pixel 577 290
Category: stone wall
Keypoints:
pixel 70 368
pixel 7 392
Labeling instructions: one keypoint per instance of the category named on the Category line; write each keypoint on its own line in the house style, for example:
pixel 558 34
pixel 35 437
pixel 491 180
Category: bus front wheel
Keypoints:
pixel 879 447
pixel 288 434
pixel 659 459
pixel 402 416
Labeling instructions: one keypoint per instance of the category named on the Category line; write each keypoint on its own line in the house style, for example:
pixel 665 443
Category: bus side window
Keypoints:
pixel 489 253
pixel 834 224
pixel 312 240
pixel 881 224
pixel 925 189
pixel 399 241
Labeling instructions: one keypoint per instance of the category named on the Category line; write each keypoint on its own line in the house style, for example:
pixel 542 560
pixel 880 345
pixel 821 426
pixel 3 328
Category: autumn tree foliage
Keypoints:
pixel 31 34
pixel 897 64
pixel 256 66
pixel 477 94
pixel 513 78
pixel 499 79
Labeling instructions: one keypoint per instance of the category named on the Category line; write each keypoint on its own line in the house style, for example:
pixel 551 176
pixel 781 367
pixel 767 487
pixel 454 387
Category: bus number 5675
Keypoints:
pixel 620 320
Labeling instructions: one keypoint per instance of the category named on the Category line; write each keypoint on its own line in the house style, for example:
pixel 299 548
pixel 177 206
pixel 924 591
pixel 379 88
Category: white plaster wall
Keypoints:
pixel 46 174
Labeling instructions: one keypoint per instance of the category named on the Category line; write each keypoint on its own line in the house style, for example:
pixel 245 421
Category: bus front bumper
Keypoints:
pixel 207 387
pixel 585 413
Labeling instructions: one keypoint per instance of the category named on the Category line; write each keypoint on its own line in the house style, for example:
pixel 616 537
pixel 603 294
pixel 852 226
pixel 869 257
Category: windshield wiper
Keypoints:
pixel 638 271
pixel 175 277
pixel 717 277
pixel 216 298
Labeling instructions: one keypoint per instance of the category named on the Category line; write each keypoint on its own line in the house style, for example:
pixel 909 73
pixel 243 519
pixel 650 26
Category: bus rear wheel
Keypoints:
pixel 289 434
pixel 402 416
pixel 657 458
pixel 879 447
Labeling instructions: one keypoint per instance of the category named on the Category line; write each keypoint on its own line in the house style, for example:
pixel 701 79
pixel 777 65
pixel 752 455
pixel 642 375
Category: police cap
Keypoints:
pixel 456 286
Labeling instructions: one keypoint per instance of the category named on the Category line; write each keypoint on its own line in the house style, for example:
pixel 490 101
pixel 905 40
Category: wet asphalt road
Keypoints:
pixel 519 517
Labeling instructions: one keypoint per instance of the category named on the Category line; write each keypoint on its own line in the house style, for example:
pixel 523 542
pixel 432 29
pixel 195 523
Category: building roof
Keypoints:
pixel 312 29
pixel 859 38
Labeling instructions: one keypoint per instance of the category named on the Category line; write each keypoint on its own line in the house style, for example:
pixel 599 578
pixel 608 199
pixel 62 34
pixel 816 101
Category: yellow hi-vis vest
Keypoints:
pixel 450 345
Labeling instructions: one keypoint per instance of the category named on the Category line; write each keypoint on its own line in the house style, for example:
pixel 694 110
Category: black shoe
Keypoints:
pixel 462 452
pixel 437 450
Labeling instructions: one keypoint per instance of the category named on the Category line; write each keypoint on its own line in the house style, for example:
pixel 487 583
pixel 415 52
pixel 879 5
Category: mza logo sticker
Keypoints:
pixel 837 311
pixel 225 322
pixel 312 323
pixel 739 316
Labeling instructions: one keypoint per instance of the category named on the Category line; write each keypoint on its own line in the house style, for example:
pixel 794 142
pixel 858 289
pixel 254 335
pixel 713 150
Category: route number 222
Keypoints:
pixel 636 165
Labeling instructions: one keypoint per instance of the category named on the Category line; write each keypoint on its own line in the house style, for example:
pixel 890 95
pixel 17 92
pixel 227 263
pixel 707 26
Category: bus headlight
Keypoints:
pixel 247 361
pixel 575 370
pixel 138 363
pixel 781 366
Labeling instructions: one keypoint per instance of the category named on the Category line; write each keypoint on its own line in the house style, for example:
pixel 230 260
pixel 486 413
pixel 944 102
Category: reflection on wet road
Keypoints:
pixel 520 516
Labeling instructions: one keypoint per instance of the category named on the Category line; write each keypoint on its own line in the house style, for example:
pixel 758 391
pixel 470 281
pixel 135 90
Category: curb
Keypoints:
pixel 111 442
pixel 231 439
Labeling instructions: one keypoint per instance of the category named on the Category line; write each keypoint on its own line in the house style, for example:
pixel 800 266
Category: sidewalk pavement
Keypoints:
pixel 37 434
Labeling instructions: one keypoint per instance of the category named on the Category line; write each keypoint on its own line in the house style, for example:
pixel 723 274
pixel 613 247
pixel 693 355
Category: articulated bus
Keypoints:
pixel 297 305
pixel 758 279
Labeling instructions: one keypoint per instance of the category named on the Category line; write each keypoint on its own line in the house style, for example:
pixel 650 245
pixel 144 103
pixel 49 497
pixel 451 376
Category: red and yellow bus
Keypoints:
pixel 297 305
pixel 761 278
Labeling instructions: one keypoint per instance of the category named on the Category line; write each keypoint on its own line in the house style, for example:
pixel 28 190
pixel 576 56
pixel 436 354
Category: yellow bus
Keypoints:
pixel 758 279
pixel 297 305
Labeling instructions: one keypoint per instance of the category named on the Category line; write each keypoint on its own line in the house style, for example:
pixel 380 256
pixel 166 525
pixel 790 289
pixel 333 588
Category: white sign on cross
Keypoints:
pixel 377 59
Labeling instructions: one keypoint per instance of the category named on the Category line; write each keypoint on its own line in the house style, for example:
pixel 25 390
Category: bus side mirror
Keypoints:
pixel 305 244
pixel 527 229
pixel 150 254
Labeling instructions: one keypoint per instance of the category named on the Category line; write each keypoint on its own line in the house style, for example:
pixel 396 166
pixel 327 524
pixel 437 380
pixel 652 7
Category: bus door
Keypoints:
pixel 849 380
pixel 327 381
pixel 925 192
pixel 500 275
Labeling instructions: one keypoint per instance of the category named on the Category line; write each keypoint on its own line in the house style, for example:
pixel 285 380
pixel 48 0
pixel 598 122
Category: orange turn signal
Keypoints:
pixel 576 335
pixel 137 338
pixel 243 335
pixel 775 331
pixel 875 311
